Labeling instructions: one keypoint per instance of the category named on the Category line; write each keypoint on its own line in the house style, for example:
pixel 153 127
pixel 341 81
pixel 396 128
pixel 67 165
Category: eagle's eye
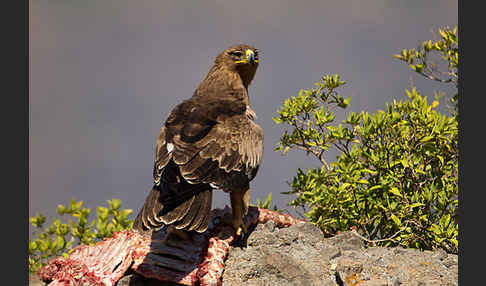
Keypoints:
pixel 236 54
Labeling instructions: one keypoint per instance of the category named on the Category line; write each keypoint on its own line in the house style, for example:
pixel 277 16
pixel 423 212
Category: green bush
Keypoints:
pixel 395 179
pixel 266 204
pixel 60 238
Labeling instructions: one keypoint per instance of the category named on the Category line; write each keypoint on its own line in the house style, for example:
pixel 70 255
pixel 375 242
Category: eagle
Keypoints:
pixel 209 141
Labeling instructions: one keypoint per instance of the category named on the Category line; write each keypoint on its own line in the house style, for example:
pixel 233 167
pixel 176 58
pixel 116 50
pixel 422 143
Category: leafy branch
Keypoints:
pixel 420 61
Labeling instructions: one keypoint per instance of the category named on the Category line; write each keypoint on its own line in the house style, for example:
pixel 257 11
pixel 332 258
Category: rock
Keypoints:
pixel 450 261
pixel 296 255
pixel 347 241
pixel 440 254
pixel 388 266
pixel 300 255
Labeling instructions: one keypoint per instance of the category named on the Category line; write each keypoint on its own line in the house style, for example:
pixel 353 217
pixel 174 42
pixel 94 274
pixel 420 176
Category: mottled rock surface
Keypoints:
pixel 299 255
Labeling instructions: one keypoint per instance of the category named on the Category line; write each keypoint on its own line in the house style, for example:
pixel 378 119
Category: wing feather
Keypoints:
pixel 232 146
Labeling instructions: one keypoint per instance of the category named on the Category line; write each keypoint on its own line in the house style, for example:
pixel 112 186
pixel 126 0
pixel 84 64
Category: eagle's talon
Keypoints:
pixel 238 232
pixel 239 228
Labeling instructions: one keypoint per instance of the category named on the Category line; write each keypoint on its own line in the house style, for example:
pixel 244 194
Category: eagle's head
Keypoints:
pixel 241 58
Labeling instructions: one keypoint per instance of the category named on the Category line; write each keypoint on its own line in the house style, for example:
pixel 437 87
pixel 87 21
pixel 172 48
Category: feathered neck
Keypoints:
pixel 222 77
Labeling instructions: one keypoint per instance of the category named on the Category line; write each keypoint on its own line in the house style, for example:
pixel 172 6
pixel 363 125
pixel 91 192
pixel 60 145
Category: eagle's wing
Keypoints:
pixel 211 143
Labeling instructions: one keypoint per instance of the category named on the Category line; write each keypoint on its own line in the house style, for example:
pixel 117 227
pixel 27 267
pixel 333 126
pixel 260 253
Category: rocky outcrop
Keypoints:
pixel 275 253
pixel 299 255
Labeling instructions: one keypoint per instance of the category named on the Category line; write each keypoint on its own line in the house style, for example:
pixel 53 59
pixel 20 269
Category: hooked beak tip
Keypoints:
pixel 250 55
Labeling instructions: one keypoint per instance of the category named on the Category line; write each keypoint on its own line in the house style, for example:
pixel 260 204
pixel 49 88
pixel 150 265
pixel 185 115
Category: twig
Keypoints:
pixel 373 242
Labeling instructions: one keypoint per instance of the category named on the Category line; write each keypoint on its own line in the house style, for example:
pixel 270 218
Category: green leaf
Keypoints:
pixel 441 159
pixel 60 242
pixel 426 138
pixel 395 219
pixel 375 187
pixel 395 191
pixel 61 209
pixel 414 205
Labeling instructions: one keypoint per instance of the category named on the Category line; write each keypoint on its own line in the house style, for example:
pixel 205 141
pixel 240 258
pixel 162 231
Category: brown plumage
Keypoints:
pixel 209 141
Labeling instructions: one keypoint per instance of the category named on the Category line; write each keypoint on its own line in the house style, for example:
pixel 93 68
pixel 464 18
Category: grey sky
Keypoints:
pixel 105 74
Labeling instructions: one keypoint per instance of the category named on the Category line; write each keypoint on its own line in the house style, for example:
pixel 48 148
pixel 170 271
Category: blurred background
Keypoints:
pixel 105 74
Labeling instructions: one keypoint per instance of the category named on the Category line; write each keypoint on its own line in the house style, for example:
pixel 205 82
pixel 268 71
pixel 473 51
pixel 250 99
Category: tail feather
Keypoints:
pixel 192 219
pixel 176 214
pixel 176 202
pixel 144 220
pixel 201 220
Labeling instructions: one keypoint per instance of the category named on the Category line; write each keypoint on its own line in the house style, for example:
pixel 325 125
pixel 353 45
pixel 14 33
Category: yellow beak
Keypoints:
pixel 250 58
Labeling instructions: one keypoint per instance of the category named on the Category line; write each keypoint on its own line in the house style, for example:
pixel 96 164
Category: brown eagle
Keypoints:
pixel 209 141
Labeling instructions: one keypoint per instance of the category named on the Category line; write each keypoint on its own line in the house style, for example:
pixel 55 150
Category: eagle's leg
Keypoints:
pixel 240 201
